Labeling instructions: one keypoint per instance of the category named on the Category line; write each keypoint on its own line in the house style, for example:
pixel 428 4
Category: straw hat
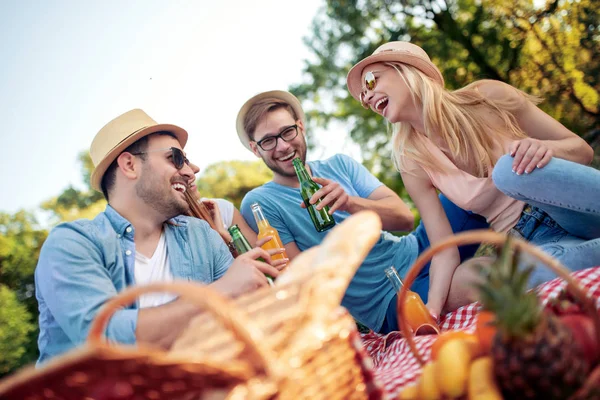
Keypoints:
pixel 121 132
pixel 286 97
pixel 404 52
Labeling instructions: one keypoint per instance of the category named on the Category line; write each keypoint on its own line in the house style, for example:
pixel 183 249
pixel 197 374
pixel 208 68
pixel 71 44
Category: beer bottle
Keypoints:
pixel 265 229
pixel 416 313
pixel 242 245
pixel 320 218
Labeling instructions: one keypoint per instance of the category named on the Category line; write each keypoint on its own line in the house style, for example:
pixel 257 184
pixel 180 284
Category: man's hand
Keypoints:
pixel 332 194
pixel 247 273
pixel 279 264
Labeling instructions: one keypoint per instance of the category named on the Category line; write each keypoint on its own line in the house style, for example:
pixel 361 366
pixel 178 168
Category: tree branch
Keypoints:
pixel 558 65
pixel 447 24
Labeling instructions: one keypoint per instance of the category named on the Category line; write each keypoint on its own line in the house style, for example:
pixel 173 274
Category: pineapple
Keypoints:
pixel 535 355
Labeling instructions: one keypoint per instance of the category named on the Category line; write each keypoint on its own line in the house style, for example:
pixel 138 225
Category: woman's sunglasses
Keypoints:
pixel 177 157
pixel 370 83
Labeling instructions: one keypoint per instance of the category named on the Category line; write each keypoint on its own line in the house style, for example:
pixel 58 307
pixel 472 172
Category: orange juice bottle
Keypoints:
pixel 265 229
pixel 413 310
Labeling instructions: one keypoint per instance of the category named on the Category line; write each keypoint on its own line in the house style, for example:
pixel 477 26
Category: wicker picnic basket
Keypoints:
pixel 292 341
pixel 592 384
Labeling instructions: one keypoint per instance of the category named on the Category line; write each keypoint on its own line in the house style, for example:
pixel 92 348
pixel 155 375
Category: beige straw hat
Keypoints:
pixel 121 132
pixel 403 52
pixel 286 97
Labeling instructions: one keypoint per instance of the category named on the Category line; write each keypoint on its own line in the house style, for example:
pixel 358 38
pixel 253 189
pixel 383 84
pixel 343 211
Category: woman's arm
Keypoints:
pixel 547 137
pixel 437 226
pixel 239 220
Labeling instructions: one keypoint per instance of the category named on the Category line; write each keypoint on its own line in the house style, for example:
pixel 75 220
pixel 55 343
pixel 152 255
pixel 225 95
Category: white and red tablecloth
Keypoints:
pixel 395 365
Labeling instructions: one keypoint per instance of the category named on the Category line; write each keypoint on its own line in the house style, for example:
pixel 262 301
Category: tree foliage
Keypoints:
pixel 552 51
pixel 73 203
pixel 20 242
pixel 15 330
pixel 231 180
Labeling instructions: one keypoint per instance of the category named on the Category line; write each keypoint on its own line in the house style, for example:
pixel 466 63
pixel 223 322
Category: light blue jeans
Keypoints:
pixel 563 212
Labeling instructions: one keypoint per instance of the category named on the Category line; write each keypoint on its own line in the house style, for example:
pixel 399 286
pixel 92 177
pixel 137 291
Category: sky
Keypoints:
pixel 69 67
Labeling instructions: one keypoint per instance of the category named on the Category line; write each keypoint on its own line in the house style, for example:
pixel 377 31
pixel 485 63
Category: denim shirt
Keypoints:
pixel 84 263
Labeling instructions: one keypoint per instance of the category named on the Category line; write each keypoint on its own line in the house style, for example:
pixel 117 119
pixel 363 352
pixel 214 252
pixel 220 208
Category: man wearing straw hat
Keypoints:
pixel 141 237
pixel 272 125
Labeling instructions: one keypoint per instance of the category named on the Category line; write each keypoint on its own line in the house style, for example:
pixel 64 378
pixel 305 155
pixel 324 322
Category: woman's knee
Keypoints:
pixel 503 176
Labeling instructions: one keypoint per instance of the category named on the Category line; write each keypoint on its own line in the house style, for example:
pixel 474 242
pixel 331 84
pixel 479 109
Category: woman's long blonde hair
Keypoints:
pixel 452 116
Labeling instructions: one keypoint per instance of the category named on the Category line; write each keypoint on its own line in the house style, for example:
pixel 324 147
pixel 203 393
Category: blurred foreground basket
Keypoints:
pixel 292 341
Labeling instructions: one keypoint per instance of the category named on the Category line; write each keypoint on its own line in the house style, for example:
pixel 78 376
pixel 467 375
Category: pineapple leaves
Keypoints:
pixel 504 292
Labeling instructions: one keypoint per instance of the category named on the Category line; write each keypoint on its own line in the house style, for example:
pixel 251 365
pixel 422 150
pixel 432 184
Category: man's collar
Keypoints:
pixel 118 222
pixel 121 225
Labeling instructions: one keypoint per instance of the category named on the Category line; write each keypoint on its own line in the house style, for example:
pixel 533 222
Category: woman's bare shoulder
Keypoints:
pixel 496 90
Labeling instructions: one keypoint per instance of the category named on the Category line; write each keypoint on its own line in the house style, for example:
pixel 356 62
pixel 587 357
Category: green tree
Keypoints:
pixel 73 203
pixel 231 180
pixel 20 242
pixel 15 331
pixel 552 51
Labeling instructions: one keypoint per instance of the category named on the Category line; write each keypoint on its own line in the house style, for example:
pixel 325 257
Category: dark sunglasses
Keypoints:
pixel 177 157
pixel 370 83
pixel 287 134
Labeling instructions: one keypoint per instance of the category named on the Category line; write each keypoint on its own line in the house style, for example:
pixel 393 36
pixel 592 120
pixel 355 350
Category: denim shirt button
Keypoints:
pixel 128 229
pixel 128 252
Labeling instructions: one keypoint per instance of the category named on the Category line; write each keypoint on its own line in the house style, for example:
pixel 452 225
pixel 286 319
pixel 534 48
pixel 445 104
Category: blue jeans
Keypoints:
pixel 460 221
pixel 563 212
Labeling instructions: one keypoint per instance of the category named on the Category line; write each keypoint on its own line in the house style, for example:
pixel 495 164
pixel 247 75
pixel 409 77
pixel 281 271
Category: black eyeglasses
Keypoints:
pixel 177 157
pixel 287 134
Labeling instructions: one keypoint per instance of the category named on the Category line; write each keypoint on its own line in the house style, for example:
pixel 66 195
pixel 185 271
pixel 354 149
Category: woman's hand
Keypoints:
pixel 215 214
pixel 214 211
pixel 434 306
pixel 529 154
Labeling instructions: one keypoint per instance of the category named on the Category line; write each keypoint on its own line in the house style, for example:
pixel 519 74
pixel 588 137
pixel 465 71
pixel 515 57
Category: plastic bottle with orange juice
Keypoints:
pixel 414 311
pixel 265 229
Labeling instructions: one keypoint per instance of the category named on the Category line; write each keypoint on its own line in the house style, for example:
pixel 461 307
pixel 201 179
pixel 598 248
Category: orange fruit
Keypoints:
pixel 485 330
pixel 445 337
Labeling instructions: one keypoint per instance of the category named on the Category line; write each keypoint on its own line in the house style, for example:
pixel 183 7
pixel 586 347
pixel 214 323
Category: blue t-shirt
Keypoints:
pixel 369 293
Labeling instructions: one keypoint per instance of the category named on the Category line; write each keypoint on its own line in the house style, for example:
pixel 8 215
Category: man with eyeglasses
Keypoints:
pixel 141 237
pixel 272 126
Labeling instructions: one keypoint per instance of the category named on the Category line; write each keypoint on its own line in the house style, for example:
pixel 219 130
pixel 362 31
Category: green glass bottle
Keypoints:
pixel 320 218
pixel 242 245
pixel 240 242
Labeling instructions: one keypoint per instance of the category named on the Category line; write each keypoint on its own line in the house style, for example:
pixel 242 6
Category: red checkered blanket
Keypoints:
pixel 394 363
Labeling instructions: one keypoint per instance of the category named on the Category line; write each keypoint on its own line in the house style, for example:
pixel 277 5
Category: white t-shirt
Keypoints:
pixel 226 209
pixel 154 269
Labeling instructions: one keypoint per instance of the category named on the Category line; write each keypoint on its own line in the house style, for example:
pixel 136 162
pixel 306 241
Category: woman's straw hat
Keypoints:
pixel 403 52
pixel 286 97
pixel 119 134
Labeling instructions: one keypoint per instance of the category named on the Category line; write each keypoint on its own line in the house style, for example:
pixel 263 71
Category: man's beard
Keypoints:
pixel 272 165
pixel 160 200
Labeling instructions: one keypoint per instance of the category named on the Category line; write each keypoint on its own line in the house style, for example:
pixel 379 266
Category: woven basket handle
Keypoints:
pixel 478 236
pixel 224 310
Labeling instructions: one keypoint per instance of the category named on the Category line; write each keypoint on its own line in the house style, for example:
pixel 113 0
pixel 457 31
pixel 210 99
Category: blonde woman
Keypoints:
pixel 490 150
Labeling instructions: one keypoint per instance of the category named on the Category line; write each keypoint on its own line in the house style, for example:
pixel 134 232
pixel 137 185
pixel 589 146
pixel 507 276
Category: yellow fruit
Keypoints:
pixel 428 389
pixel 410 392
pixel 482 385
pixel 444 337
pixel 452 367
